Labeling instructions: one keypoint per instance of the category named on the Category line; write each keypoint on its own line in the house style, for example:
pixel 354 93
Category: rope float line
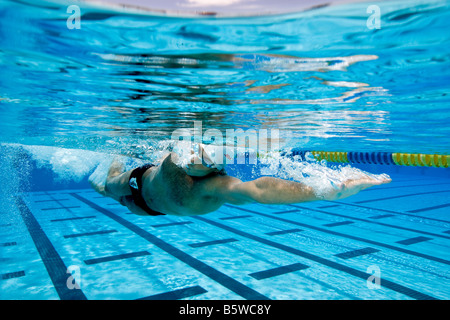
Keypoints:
pixel 386 158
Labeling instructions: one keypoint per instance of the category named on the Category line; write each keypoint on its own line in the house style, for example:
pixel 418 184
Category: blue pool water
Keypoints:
pixel 322 79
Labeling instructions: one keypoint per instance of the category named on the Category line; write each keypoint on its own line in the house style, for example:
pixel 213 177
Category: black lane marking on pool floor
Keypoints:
pixel 56 268
pixel 71 207
pixel 348 236
pixel 382 216
pixel 336 224
pixel 236 217
pixel 11 275
pixel 277 233
pixel 410 241
pixel 72 218
pixel 356 253
pixel 285 211
pixel 116 257
pixel 177 294
pixel 210 243
pixel 212 273
pixel 8 244
pixel 329 206
pixel 430 208
pixel 260 275
pixel 162 225
pixel 331 264
pixel 86 234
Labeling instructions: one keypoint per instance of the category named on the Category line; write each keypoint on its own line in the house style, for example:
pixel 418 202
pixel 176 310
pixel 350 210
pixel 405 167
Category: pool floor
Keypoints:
pixel 388 242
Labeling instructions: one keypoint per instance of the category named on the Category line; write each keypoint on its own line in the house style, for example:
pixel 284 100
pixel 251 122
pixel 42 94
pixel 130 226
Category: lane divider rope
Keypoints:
pixel 385 158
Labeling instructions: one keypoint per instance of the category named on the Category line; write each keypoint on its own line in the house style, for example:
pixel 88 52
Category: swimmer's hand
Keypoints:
pixel 200 166
pixel 103 172
pixel 353 186
pixel 100 188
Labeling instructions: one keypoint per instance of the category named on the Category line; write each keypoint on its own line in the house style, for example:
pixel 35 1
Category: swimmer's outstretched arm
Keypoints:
pixel 270 190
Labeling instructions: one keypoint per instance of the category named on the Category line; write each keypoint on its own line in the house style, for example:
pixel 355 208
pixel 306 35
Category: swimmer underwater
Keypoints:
pixel 202 186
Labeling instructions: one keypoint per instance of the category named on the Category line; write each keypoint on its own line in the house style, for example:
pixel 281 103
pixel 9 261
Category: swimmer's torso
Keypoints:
pixel 168 189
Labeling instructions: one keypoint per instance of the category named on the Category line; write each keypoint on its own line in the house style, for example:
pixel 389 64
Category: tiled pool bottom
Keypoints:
pixel 388 242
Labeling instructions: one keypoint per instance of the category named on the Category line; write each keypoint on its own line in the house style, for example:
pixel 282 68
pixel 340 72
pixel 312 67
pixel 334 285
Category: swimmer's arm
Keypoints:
pixel 116 185
pixel 270 190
